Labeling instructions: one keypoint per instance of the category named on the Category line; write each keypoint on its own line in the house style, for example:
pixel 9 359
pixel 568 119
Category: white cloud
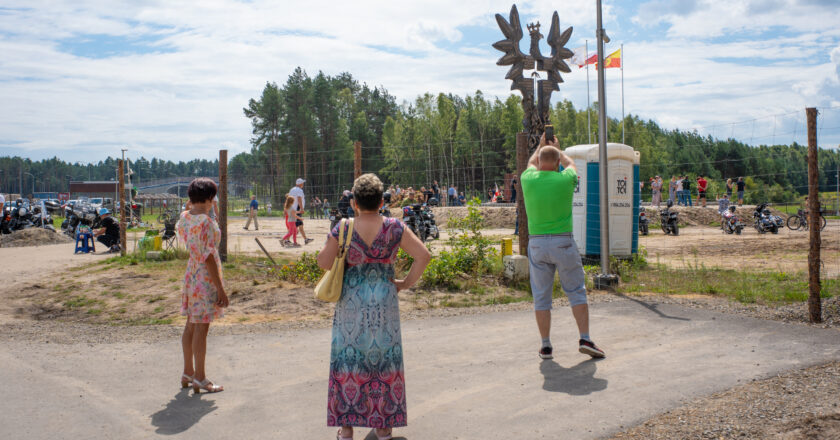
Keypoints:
pixel 185 100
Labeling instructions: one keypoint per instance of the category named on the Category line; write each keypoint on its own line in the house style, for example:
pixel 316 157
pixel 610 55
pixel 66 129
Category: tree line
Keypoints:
pixel 307 126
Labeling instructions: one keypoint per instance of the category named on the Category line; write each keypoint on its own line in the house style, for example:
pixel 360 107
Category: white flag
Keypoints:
pixel 579 57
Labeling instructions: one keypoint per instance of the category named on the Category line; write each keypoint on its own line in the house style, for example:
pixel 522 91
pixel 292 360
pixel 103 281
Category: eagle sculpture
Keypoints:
pixel 536 114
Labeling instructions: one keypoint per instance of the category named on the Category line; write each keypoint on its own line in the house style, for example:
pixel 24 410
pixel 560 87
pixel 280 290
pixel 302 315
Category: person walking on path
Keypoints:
pixel 290 216
pixel 367 380
pixel 203 296
pixel 672 189
pixel 551 247
pixel 701 190
pixel 253 208
pixel 300 205
pixel 656 191
pixel 740 186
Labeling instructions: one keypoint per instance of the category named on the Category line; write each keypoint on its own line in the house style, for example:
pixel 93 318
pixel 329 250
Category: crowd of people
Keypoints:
pixel 680 190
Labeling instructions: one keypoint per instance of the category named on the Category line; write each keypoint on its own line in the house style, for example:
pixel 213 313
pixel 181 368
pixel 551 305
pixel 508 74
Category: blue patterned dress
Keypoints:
pixel 367 382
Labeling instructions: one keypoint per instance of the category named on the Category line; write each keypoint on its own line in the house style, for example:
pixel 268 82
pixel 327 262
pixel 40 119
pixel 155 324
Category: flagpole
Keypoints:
pixel 588 123
pixel 622 93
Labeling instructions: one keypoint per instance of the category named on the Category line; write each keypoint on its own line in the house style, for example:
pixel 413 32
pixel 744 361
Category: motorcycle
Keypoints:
pixel 429 218
pixel 644 223
pixel 413 218
pixel 669 221
pixel 78 216
pixel 765 221
pixel 40 220
pixel 731 223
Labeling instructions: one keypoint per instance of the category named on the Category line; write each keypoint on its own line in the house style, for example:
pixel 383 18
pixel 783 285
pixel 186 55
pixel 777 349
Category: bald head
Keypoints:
pixel 549 157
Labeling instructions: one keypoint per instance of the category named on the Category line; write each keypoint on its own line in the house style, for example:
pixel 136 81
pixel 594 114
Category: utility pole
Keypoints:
pixel 814 301
pixel 223 204
pixel 357 163
pixel 121 170
pixel 605 280
pixel 521 164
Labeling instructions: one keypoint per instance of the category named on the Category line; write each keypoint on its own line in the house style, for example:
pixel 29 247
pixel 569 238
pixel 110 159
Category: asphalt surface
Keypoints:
pixel 469 377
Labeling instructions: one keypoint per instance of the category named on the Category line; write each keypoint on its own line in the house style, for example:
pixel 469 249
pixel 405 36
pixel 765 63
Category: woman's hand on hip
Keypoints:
pixel 401 285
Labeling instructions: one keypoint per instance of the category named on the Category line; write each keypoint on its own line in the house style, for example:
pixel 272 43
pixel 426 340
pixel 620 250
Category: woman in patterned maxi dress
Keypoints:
pixel 203 296
pixel 367 382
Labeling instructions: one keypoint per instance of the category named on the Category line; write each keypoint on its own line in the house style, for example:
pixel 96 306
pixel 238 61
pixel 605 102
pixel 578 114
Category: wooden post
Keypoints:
pixel 123 208
pixel 223 205
pixel 521 164
pixel 357 163
pixel 304 159
pixel 814 301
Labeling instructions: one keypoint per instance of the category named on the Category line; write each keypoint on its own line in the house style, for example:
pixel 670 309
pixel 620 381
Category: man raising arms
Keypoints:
pixel 551 247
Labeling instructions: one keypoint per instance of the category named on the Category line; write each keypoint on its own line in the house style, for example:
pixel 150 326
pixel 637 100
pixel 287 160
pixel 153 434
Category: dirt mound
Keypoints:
pixel 708 216
pixel 825 427
pixel 33 237
pixel 494 217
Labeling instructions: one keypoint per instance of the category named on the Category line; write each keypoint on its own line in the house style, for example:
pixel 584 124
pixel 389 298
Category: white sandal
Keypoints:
pixel 339 437
pixel 206 385
pixel 186 381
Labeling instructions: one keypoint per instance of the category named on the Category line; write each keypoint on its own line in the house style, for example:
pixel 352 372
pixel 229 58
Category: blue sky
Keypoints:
pixel 82 79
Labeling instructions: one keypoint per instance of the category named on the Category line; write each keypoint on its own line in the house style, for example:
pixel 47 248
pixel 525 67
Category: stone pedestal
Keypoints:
pixel 516 267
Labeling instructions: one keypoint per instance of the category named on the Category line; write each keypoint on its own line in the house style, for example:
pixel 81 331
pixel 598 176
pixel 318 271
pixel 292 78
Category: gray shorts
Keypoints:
pixel 548 254
pixel 740 194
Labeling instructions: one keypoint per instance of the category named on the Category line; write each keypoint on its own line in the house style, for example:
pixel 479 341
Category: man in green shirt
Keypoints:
pixel 551 247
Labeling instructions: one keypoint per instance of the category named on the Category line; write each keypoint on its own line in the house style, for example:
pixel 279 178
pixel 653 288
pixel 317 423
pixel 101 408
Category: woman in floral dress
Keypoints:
pixel 203 296
pixel 367 381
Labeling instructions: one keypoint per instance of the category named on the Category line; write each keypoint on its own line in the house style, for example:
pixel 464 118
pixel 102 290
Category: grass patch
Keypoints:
pixel 742 286
pixel 156 298
pixel 81 301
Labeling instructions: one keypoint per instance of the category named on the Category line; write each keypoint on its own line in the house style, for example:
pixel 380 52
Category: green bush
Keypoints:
pixel 304 271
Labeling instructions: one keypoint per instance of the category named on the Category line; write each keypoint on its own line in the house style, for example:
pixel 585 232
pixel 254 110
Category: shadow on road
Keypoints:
pixel 576 381
pixel 182 412
pixel 652 307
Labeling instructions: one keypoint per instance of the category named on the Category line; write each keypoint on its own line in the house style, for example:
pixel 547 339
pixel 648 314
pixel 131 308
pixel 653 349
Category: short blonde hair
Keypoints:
pixel 367 191
pixel 549 154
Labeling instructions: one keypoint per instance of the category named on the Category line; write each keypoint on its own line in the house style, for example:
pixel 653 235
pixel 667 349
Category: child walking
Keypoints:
pixel 203 296
pixel 291 223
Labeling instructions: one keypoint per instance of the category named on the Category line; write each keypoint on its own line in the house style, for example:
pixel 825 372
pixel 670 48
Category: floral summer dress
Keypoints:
pixel 199 296
pixel 367 382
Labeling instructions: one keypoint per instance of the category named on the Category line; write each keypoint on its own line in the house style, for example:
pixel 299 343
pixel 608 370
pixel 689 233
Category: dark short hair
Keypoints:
pixel 201 190
pixel 367 191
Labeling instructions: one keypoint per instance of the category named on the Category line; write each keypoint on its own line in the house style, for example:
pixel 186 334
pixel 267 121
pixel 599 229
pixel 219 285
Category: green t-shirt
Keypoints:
pixel 548 200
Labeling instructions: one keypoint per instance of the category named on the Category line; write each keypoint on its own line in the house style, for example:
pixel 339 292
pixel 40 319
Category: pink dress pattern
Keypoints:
pixel 198 297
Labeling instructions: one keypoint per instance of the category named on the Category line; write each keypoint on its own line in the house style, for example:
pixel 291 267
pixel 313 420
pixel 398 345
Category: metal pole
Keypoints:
pixel 814 301
pixel 588 105
pixel 606 280
pixel 838 188
pixel 223 204
pixel 621 60
pixel 121 187
pixel 521 164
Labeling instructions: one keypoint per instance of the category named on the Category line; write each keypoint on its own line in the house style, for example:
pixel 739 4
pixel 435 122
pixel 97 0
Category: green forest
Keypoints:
pixel 307 126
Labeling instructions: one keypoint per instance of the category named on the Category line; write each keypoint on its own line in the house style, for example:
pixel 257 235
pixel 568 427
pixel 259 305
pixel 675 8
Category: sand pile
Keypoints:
pixel 494 217
pixel 697 216
pixel 33 237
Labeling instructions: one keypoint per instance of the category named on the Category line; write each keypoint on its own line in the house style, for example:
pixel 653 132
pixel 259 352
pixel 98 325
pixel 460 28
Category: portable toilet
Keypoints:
pixel 623 198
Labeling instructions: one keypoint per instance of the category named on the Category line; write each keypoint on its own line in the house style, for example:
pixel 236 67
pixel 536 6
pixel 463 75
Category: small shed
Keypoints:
pixel 161 202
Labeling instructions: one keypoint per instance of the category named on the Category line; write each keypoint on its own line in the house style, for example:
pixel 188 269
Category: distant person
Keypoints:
pixel 680 194
pixel 452 196
pixel 325 207
pixel 2 203
pixel 290 215
pixel 300 206
pixel 740 185
pixel 701 190
pixel 366 374
pixel 253 208
pixel 435 190
pixel 203 296
pixel 672 189
pixel 656 191
pixel 268 209
pixel 687 191
pixel 729 188
pixel 462 200
pixel 552 250
pixel 109 233
pixel 723 206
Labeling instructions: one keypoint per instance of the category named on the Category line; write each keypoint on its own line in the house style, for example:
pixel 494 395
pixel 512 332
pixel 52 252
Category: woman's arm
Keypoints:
pixel 328 254
pixel 415 248
pixel 216 279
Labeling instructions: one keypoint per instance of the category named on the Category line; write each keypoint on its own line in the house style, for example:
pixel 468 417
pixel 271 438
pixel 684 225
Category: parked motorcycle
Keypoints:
pixel 429 218
pixel 731 223
pixel 413 218
pixel 669 220
pixel 765 221
pixel 77 216
pixel 644 223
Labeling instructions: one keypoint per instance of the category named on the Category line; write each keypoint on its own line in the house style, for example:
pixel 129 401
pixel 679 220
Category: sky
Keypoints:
pixel 82 79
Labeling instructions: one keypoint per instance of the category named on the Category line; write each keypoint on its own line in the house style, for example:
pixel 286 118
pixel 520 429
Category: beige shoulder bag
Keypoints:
pixel 329 287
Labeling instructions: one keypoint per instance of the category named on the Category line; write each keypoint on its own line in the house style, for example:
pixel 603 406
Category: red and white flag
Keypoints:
pixel 579 58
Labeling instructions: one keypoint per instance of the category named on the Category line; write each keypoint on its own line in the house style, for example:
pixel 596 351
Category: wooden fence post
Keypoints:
pixel 814 301
pixel 123 208
pixel 521 164
pixel 357 159
pixel 223 205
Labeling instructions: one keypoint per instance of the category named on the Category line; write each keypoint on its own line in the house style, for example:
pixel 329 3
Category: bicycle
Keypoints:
pixel 800 220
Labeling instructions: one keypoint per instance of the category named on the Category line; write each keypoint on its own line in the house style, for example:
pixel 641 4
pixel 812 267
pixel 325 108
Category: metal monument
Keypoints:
pixel 537 105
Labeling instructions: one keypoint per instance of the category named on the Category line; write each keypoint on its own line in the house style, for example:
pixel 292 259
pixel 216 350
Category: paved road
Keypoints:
pixel 471 377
